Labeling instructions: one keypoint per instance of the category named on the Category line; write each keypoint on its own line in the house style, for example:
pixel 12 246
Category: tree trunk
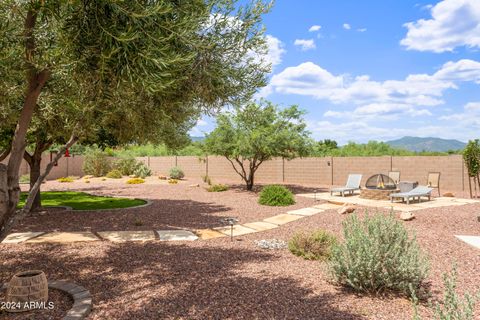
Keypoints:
pixel 34 175
pixel 35 82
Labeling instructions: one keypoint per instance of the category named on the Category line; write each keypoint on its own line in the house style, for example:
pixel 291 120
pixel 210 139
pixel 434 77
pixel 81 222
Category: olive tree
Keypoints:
pixel 253 133
pixel 194 56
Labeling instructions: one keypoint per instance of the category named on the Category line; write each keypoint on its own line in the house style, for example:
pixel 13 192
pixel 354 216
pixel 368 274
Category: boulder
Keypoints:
pixel 346 209
pixel 162 177
pixel 449 194
pixel 407 216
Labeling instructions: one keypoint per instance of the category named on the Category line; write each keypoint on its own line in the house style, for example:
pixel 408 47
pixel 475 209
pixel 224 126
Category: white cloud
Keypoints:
pixel 362 29
pixel 201 123
pixel 453 23
pixel 305 44
pixel 346 26
pixel 389 98
pixel 315 28
pixel 275 50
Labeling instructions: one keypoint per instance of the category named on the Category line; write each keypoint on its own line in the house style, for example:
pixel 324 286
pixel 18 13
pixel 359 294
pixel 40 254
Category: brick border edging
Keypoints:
pixel 82 299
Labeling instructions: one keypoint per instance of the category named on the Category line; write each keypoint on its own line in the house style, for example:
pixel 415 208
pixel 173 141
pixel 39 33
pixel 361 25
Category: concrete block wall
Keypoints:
pixel 367 166
pixel 308 170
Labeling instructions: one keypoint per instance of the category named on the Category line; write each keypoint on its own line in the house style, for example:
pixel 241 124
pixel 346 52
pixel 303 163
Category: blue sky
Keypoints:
pixel 376 70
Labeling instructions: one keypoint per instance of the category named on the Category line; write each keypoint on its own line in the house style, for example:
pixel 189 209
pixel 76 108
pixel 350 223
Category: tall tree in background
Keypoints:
pixel 256 132
pixel 182 57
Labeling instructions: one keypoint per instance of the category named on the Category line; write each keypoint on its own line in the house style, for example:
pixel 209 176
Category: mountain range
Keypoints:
pixel 418 144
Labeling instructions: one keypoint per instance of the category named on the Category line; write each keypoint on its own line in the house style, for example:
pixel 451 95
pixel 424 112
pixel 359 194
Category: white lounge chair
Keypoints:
pixel 353 184
pixel 418 192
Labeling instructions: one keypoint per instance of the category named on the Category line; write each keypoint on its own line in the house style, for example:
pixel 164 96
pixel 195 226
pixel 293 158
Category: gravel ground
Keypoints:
pixel 219 279
pixel 62 303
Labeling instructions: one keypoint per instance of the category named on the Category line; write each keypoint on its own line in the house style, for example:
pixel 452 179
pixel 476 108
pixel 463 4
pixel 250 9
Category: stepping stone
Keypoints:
pixel 20 237
pixel 283 218
pixel 121 236
pixel 176 235
pixel 238 230
pixel 306 211
pixel 206 234
pixel 64 237
pixel 260 225
pixel 327 206
pixel 471 240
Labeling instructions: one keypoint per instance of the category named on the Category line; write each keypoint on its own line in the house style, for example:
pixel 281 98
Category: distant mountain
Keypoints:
pixel 426 144
pixel 194 139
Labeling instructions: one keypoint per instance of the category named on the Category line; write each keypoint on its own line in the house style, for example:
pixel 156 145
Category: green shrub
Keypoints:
pixel 176 173
pixel 217 188
pixel 314 246
pixel 142 171
pixel 96 163
pixel 378 255
pixel 24 178
pixel 114 174
pixel 453 307
pixel 135 181
pixel 65 179
pixel 126 165
pixel 275 195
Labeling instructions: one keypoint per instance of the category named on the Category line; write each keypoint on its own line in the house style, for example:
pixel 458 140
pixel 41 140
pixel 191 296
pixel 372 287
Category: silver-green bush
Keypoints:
pixel 142 170
pixel 176 173
pixel 378 254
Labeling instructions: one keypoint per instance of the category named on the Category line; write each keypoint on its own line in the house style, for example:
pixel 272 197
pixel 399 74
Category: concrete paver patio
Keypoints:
pixel 21 237
pixel 176 235
pixel 471 240
pixel 121 236
pixel 64 237
pixel 282 218
pixel 398 206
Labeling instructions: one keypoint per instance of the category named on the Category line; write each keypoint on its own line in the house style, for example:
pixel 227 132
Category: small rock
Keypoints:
pixel 271 244
pixel 407 216
pixel 449 194
pixel 88 177
pixel 162 177
pixel 194 185
pixel 346 209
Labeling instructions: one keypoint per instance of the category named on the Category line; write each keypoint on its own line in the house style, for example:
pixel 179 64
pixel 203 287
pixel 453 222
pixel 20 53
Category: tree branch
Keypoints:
pixel 4 154
pixel 244 177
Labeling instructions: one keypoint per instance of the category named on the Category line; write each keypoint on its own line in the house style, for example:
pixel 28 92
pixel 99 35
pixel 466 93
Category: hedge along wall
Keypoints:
pixel 318 170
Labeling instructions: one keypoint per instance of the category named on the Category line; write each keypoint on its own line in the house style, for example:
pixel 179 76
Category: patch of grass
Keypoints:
pixel 82 200
pixel 314 246
pixel 275 195
pixel 217 188
pixel 135 181
pixel 65 179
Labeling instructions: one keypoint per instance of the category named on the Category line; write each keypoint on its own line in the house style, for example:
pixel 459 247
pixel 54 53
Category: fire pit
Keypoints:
pixel 378 187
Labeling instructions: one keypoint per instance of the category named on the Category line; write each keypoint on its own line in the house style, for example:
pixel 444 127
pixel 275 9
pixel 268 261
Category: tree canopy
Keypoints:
pixel 255 132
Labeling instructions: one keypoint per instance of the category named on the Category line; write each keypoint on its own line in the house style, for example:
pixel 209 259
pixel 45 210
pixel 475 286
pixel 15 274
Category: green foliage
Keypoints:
pixel 66 179
pixel 275 195
pixel 25 178
pixel 114 174
pixel 314 246
pixel 471 156
pixel 126 165
pixel 257 132
pixel 453 307
pixel 217 188
pixel 96 163
pixel 82 201
pixel 377 255
pixel 176 173
pixel 142 170
pixel 135 181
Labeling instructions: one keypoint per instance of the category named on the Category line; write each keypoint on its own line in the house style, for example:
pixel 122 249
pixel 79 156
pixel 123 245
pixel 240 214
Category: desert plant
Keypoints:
pixel 453 307
pixel 176 173
pixel 114 174
pixel 96 163
pixel 313 246
pixel 377 255
pixel 217 188
pixel 172 181
pixel 135 181
pixel 138 222
pixel 24 178
pixel 126 165
pixel 65 179
pixel 142 171
pixel 275 195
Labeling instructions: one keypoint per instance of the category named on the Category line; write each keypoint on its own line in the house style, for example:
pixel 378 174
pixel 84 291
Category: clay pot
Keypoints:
pixel 27 286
